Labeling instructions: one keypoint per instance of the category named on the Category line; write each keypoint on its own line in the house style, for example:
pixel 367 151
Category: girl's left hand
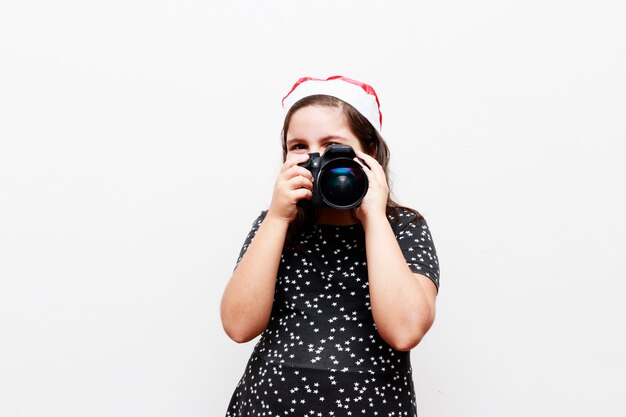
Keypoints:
pixel 375 201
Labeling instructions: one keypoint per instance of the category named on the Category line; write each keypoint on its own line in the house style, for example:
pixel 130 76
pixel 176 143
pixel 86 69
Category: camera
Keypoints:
pixel 338 180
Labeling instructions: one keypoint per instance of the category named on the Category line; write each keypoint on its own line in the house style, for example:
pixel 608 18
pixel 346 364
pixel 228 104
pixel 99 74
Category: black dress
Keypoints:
pixel 321 354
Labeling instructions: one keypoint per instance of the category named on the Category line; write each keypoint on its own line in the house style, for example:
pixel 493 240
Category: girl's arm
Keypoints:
pixel 247 300
pixel 403 303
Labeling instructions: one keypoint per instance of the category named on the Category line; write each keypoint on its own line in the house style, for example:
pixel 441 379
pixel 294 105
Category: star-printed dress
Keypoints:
pixel 321 354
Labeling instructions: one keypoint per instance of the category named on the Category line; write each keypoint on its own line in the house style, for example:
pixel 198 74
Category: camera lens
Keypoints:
pixel 342 183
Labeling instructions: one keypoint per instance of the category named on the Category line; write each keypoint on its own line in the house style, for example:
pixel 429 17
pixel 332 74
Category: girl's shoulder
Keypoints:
pixel 260 218
pixel 402 217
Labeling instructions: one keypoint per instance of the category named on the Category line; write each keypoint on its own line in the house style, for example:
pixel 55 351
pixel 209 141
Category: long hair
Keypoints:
pixel 371 141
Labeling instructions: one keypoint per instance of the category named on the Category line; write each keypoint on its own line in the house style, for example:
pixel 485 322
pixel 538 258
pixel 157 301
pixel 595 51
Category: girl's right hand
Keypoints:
pixel 293 184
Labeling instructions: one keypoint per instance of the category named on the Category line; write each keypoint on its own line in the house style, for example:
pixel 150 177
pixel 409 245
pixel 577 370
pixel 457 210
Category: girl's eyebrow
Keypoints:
pixel 331 137
pixel 324 139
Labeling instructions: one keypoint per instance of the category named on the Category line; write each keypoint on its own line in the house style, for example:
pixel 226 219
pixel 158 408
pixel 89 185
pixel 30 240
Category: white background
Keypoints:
pixel 140 139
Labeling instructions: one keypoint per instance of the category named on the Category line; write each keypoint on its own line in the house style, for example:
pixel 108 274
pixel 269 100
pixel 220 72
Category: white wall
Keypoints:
pixel 139 139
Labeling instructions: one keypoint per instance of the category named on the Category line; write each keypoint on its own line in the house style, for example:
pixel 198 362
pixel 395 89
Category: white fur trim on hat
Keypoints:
pixel 359 95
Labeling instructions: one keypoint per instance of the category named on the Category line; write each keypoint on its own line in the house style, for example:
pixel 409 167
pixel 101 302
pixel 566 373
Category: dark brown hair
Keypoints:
pixel 371 141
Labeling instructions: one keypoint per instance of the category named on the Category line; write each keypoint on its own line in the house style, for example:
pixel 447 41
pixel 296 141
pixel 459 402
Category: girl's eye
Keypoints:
pixel 297 147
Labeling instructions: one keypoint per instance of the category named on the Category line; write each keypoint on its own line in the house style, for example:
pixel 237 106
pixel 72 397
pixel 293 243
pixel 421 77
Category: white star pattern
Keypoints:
pixel 321 349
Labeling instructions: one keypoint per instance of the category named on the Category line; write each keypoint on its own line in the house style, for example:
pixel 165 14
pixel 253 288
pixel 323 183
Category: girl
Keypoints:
pixel 340 296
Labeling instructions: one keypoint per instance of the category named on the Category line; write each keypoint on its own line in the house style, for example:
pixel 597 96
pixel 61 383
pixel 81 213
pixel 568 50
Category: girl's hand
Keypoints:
pixel 375 201
pixel 293 184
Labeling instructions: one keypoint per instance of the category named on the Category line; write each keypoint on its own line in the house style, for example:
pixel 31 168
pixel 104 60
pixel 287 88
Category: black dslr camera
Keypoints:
pixel 338 180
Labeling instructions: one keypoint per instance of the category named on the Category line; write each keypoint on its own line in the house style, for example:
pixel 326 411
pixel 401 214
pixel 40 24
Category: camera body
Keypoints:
pixel 339 181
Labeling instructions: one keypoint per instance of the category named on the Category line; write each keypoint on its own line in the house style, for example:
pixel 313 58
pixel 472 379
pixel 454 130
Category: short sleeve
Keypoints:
pixel 251 234
pixel 416 243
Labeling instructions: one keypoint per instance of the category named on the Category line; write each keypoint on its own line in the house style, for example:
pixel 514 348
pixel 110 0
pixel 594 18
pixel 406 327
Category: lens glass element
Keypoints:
pixel 343 183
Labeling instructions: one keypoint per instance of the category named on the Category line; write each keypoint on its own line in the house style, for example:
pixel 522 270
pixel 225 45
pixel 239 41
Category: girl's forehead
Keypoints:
pixel 319 125
pixel 317 117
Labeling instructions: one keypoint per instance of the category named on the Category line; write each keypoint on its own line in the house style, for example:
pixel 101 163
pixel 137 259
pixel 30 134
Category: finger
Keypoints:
pixel 370 162
pixel 298 182
pixel 363 164
pixel 302 194
pixel 290 171
pixel 295 159
pixel 298 170
pixel 366 159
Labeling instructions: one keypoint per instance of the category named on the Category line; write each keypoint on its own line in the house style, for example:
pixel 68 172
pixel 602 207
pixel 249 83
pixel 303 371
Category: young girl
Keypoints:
pixel 340 296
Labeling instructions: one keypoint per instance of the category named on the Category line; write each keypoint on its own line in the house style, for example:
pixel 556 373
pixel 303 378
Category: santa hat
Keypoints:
pixel 359 95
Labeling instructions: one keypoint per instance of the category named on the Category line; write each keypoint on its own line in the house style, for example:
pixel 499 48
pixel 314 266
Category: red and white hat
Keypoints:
pixel 359 95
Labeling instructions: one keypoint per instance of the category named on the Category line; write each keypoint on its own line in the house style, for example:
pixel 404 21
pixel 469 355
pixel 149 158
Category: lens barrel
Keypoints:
pixel 342 183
